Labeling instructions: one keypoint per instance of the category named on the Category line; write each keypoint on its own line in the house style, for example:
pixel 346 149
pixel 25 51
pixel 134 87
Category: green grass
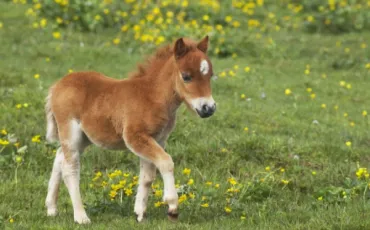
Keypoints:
pixel 281 129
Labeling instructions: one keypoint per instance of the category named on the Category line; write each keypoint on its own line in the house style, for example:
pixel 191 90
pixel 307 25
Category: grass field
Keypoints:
pixel 292 143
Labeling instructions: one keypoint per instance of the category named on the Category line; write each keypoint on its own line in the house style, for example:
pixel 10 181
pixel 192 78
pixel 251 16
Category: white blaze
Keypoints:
pixel 204 67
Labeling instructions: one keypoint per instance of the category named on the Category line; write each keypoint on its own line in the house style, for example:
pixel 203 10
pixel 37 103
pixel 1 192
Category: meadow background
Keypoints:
pixel 288 147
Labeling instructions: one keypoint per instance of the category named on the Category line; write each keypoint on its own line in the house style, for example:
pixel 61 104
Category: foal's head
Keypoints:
pixel 194 75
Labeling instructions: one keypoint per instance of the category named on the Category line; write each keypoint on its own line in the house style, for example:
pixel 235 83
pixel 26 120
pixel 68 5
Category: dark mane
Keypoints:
pixel 155 63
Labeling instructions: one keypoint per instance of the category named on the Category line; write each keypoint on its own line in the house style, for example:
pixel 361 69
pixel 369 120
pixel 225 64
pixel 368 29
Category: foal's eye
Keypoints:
pixel 186 77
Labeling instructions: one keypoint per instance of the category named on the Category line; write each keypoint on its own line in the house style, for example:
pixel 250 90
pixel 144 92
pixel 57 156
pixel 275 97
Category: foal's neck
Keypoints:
pixel 164 85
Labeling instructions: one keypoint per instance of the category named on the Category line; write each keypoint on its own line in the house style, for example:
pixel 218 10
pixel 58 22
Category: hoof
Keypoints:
pixel 140 218
pixel 172 216
pixel 82 219
pixel 52 212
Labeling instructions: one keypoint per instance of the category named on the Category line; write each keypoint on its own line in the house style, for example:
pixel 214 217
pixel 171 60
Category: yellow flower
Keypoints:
pixel 158 204
pixel 36 139
pixel 169 14
pixel 116 41
pixel 217 185
pixel 206 205
pixel 97 17
pixel 228 19
pixel 348 86
pixel 282 170
pixel 36 76
pixel 364 113
pixel 242 217
pixel 345 114
pixel 158 193
pixel 190 182
pixel 232 181
pixel 191 195
pixel 18 106
pixel 128 192
pixel 363 45
pixel 323 75
pixel 309 90
pixel 112 194
pixel 348 143
pixel 242 96
pixel 236 24
pixel 59 20
pixel 205 17
pixel 367 66
pixel 182 198
pixel 156 11
pixel 106 11
pixel 336 107
pixel 362 172
pixel 124 28
pixel 320 198
pixel 323 106
pixel 246 129
pixel 43 22
pixel 285 182
pixel 209 183
pixel 342 83
pixel 307 72
pixel 1 25
pixel 313 173
pixel 268 168
pixel 247 69
pixel 11 220
pixel 4 142
pixel 18 159
pixel 4 132
pixel 56 35
pixel 352 124
pixel 313 96
pixel 228 209
pixel 70 71
pixel 288 92
pixel 186 171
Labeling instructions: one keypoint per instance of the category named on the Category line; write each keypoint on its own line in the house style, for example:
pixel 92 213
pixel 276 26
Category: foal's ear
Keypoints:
pixel 203 45
pixel 180 48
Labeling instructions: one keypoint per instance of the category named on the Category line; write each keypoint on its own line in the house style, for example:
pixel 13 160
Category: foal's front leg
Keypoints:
pixel 147 176
pixel 146 147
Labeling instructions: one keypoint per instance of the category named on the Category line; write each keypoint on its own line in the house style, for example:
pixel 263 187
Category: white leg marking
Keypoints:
pixel 71 173
pixel 166 167
pixel 54 182
pixel 204 67
pixel 147 176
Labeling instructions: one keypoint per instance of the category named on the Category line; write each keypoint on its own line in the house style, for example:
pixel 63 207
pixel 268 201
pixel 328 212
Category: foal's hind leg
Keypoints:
pixel 72 140
pixel 54 182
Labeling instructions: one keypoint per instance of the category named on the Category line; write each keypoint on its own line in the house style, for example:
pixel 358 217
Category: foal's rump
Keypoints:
pixel 83 97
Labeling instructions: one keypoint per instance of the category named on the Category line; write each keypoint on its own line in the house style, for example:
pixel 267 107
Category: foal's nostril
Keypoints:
pixel 205 109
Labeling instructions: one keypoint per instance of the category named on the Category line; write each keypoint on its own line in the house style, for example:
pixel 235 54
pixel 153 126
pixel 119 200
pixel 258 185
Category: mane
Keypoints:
pixel 155 63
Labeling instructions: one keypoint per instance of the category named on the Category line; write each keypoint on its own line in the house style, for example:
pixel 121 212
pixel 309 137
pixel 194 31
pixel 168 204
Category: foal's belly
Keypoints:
pixel 103 134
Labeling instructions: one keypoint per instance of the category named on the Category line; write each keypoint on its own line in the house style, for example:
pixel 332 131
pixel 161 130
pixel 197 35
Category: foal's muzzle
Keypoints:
pixel 206 110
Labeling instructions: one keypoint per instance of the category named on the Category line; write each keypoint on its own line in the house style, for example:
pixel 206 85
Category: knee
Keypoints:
pixel 165 165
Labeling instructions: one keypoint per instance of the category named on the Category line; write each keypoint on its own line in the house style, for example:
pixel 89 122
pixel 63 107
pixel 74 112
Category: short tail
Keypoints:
pixel 51 125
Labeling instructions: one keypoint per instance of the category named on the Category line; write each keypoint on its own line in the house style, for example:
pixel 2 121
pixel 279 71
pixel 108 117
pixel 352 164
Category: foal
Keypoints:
pixel 137 113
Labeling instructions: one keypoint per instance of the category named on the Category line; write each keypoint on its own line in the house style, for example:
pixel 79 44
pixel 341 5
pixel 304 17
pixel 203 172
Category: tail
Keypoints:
pixel 51 125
